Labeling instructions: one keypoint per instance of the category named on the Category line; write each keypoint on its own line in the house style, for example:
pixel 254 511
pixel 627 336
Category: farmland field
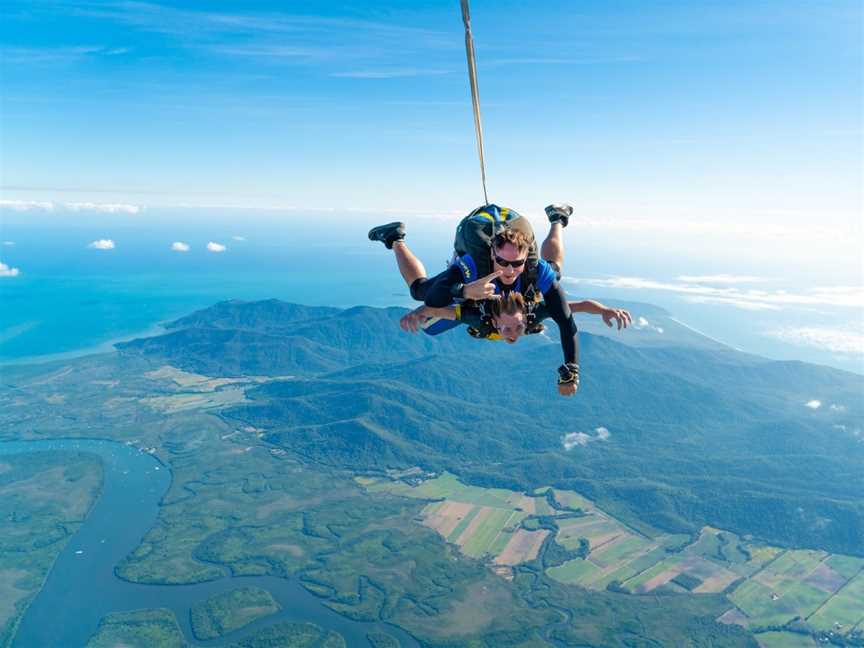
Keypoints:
pixel 770 586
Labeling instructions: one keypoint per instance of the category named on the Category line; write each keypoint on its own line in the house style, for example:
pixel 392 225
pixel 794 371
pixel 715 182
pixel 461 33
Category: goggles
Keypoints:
pixel 518 263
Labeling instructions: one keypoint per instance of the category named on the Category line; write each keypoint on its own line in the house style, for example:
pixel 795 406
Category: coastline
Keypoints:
pixel 103 347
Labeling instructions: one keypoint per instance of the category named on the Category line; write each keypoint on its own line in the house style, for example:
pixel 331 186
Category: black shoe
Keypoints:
pixel 388 234
pixel 559 214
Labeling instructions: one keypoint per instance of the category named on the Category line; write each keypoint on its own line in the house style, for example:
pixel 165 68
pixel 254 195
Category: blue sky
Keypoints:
pixel 721 138
pixel 637 107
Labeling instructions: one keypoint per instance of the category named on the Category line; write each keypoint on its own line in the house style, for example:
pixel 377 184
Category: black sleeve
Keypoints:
pixel 470 315
pixel 556 303
pixel 435 292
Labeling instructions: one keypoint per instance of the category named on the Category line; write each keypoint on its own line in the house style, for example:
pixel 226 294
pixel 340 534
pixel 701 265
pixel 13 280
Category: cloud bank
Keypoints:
pixel 50 206
pixel 750 299
pixel 721 278
pixel 831 339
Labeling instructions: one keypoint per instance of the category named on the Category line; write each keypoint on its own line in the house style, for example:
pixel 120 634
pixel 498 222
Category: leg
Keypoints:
pixel 410 267
pixel 552 249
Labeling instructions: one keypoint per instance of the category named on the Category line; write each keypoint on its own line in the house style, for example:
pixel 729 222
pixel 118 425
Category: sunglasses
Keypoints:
pixel 518 263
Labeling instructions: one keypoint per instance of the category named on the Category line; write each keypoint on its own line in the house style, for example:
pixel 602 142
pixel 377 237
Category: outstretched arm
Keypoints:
pixel 622 317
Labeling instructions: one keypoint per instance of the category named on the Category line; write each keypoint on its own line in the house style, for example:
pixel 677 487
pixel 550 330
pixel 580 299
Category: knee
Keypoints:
pixel 418 289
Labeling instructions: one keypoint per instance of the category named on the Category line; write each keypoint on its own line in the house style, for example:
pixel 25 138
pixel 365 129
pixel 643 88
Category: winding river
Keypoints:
pixel 82 588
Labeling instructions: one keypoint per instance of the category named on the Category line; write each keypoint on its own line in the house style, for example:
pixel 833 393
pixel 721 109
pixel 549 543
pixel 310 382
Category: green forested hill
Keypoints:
pixel 693 434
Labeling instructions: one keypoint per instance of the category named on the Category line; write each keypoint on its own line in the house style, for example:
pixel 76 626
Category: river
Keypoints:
pixel 82 587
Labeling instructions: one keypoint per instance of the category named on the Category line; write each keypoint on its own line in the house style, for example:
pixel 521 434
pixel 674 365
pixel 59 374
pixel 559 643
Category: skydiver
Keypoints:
pixel 501 241
pixel 508 322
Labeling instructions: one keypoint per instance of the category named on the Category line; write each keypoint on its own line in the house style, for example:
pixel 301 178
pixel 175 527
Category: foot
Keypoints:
pixel 388 234
pixel 559 214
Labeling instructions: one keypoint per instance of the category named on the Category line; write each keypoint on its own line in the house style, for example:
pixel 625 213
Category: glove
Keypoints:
pixel 568 373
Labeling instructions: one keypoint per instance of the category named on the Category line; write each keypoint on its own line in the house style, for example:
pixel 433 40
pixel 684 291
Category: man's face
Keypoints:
pixel 509 273
pixel 511 327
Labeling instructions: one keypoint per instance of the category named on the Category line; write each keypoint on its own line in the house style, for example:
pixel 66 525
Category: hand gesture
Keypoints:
pixel 621 317
pixel 483 288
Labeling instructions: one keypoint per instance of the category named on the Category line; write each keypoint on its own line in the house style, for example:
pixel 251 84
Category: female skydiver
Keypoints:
pixel 507 321
pixel 507 254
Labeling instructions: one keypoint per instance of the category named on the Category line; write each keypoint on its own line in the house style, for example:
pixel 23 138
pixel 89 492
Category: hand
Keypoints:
pixel 568 389
pixel 568 378
pixel 483 288
pixel 411 322
pixel 621 317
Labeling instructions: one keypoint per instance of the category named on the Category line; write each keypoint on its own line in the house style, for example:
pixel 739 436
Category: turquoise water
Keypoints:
pixel 54 315
pixel 68 299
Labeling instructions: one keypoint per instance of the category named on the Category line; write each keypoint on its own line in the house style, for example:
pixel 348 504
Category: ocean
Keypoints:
pixel 68 298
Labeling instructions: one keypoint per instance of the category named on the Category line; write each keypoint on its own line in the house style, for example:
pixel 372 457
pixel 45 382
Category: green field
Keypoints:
pixel 577 571
pixel 845 608
pixel 785 640
pixel 846 566
pixel 239 502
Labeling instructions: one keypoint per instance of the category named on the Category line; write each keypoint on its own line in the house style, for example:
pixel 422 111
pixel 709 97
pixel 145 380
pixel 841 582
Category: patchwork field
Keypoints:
pixel 483 522
pixel 190 391
pixel 768 586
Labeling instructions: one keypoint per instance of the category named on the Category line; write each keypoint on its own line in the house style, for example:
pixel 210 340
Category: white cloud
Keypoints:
pixel 751 299
pixel 239 238
pixel 837 408
pixel 721 278
pixel 573 439
pixel 102 244
pixel 741 304
pixel 8 243
pixel 643 323
pixel 105 208
pixel 180 246
pixel 27 205
pixel 216 247
pixel 831 339
pixel 6 271
pixel 841 428
pixel 813 404
pixel 47 205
